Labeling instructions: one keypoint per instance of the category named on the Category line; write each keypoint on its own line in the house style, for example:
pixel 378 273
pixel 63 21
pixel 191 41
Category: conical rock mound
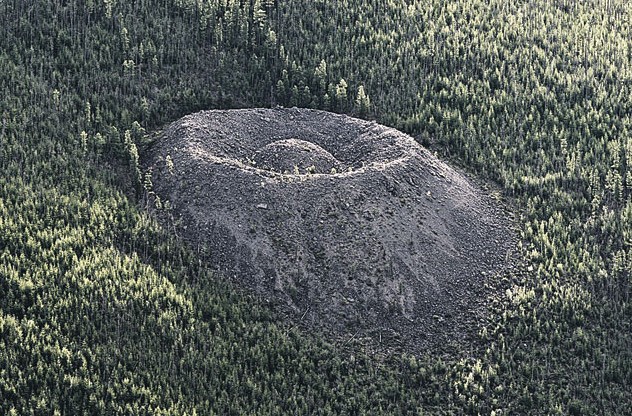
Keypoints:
pixel 344 224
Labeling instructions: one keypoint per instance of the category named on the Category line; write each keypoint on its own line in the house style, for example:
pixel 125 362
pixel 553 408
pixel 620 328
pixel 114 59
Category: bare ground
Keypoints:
pixel 341 224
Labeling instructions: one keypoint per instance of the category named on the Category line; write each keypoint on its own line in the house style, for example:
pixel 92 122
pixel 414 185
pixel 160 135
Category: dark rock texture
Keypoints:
pixel 343 224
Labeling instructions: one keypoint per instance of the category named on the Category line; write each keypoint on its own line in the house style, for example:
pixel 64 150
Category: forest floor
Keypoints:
pixel 340 224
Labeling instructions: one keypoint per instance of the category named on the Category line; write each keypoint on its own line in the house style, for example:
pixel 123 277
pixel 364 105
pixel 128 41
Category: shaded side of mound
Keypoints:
pixel 343 224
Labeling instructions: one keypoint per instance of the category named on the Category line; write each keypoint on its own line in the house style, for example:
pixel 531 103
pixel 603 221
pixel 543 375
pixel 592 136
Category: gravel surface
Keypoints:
pixel 341 224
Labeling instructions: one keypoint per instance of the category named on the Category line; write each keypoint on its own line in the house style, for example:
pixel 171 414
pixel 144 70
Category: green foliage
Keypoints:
pixel 362 102
pixel 103 312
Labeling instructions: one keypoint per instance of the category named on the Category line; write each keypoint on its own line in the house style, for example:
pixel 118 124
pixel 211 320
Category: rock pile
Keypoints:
pixel 343 224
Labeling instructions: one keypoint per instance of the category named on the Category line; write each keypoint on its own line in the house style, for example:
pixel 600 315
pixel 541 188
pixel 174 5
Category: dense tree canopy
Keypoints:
pixel 102 311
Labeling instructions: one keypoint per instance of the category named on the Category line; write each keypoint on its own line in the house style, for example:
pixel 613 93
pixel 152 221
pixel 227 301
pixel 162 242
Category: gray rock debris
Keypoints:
pixel 357 227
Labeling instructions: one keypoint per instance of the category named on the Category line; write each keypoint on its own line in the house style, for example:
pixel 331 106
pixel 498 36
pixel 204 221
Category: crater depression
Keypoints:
pixel 342 224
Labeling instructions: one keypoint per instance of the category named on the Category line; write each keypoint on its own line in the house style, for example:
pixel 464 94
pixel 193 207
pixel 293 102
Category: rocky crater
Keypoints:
pixel 342 224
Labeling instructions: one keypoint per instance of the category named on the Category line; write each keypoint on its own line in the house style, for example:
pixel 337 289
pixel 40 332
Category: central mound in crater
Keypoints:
pixel 342 224
pixel 294 156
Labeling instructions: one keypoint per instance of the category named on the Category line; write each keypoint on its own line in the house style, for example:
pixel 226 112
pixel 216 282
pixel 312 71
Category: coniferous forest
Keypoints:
pixel 102 311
